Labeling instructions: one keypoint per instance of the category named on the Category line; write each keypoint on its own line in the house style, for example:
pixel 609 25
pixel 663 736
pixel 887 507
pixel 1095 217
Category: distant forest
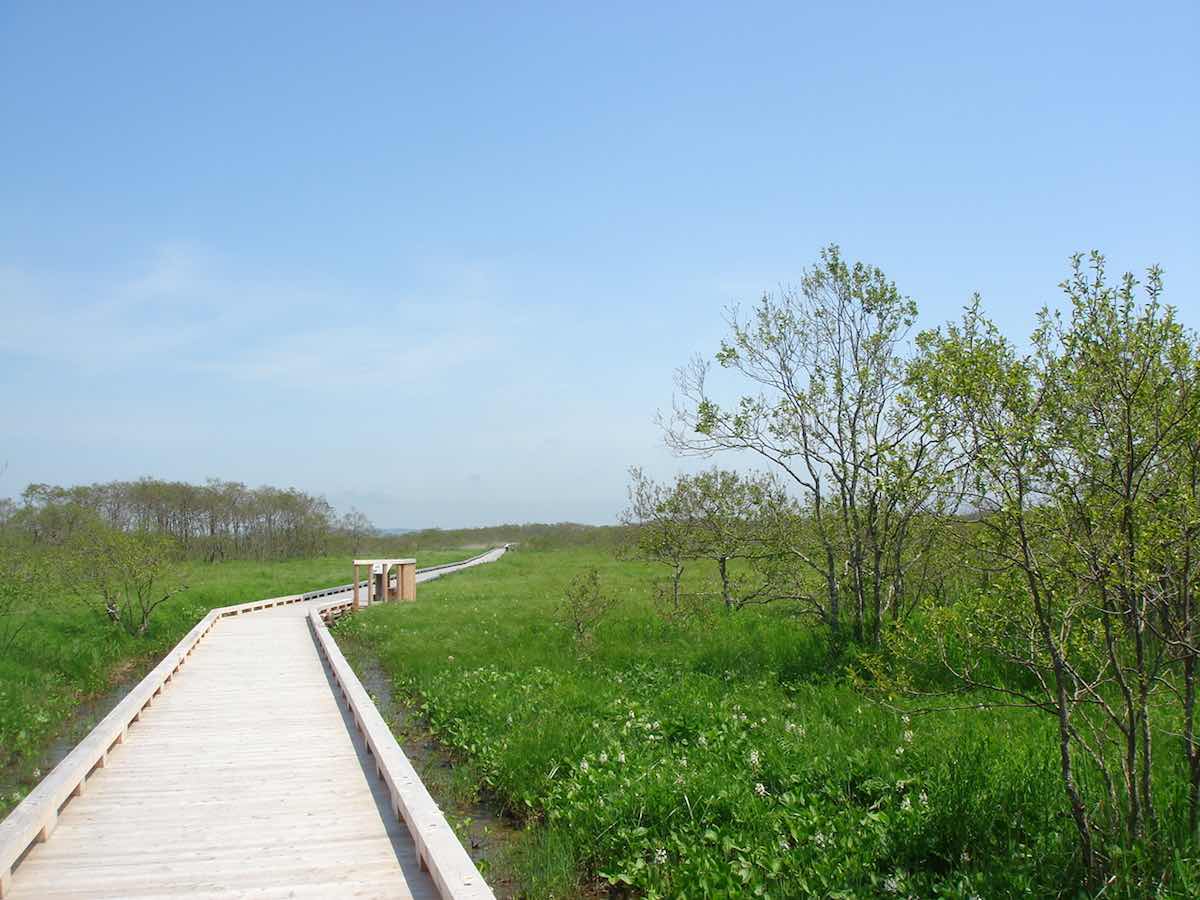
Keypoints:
pixel 227 520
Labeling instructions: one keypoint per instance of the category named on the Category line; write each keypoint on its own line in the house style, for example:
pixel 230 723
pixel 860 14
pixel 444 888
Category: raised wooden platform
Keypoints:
pixel 247 776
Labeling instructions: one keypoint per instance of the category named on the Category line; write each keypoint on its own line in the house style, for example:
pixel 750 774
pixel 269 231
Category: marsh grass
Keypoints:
pixel 722 755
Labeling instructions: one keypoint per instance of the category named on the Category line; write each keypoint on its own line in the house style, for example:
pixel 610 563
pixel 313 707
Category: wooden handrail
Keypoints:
pixel 35 817
pixel 439 850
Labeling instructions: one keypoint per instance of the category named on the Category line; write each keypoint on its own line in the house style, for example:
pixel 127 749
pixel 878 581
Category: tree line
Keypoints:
pixel 122 547
pixel 212 521
pixel 1020 520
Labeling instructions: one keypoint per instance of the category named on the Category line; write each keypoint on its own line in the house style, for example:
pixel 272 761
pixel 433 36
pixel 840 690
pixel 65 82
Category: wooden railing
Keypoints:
pixel 35 817
pixel 440 852
pixel 461 562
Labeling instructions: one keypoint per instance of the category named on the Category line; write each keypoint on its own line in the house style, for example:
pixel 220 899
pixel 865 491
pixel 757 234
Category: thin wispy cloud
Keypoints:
pixel 375 359
pixel 184 310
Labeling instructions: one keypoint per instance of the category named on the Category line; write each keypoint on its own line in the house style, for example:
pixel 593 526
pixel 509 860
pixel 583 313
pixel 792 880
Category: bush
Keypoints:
pixel 583 606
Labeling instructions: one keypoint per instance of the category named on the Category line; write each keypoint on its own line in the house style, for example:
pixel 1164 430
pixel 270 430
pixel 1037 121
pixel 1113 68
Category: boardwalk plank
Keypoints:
pixel 245 777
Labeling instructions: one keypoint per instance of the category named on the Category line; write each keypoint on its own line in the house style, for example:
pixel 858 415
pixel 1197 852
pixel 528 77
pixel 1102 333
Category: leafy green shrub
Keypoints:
pixel 583 606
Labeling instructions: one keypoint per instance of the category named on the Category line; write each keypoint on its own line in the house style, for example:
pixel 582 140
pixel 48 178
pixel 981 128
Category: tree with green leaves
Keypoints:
pixel 718 516
pixel 661 528
pixel 1082 470
pixel 729 514
pixel 126 576
pixel 825 366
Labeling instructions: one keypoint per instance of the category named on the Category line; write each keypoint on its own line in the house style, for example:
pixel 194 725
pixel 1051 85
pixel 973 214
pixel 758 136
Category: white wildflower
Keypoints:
pixel 660 857
pixel 905 719
pixel 583 765
pixel 603 758
pixel 760 789
pixel 924 798
pixel 702 741
pixel 820 839
pixel 621 756
pixel 906 804
pixel 891 884
pixel 908 737
pixel 899 751
pixel 754 758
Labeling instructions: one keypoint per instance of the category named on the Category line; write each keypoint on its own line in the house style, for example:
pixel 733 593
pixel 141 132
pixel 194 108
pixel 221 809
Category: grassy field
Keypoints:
pixel 67 655
pixel 717 757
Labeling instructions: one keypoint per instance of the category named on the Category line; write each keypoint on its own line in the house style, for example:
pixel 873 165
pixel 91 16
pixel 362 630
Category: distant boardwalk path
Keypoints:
pixel 246 777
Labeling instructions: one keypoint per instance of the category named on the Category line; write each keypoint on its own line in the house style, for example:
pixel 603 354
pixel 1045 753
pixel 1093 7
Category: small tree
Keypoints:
pixel 661 527
pixel 358 528
pixel 583 606
pixel 18 589
pixel 126 576
pixel 826 369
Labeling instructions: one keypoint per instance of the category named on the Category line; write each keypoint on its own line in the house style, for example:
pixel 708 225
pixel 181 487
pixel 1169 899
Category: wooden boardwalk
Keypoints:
pixel 246 777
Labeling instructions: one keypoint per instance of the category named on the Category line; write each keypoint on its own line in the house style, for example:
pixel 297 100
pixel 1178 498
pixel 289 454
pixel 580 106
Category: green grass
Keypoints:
pixel 67 653
pixel 719 757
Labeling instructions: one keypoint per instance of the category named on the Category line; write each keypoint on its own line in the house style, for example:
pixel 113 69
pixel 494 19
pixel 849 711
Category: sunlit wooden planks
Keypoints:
pixel 242 779
pixel 246 779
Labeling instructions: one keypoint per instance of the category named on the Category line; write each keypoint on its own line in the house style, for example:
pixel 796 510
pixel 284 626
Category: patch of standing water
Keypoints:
pixel 489 832
pixel 86 717
pixel 18 780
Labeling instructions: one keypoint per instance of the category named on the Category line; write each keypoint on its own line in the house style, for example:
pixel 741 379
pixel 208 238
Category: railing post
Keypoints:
pixel 356 587
pixel 406 581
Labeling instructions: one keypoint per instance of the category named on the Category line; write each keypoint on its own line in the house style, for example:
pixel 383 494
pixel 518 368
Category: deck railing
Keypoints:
pixel 35 817
pixel 441 854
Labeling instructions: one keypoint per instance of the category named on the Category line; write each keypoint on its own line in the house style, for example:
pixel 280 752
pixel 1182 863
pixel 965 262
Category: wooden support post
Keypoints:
pixel 356 588
pixel 48 826
pixel 407 577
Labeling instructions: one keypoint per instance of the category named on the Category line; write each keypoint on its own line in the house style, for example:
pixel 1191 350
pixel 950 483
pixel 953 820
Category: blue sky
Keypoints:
pixel 440 262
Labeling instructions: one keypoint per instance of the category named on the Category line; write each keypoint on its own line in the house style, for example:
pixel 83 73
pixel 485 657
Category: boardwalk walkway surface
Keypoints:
pixel 246 777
